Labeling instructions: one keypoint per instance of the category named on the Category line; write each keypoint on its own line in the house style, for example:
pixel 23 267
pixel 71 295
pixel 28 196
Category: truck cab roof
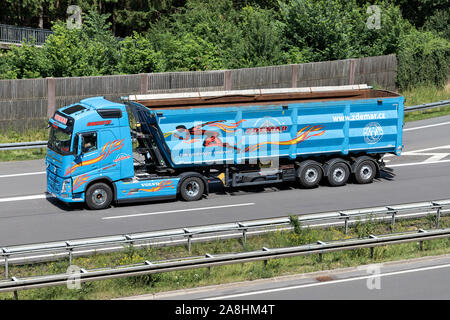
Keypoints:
pixel 92 112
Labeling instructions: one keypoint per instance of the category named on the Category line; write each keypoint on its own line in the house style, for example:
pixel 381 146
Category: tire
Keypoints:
pixel 309 174
pixel 365 172
pixel 338 174
pixel 98 196
pixel 192 189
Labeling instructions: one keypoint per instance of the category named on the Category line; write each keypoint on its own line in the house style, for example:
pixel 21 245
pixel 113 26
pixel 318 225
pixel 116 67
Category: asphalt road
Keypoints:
pixel 424 278
pixel 27 216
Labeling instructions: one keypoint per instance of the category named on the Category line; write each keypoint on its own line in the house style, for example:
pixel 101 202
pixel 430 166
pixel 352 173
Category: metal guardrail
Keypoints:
pixel 209 260
pixel 427 106
pixel 43 144
pixel 13 34
pixel 23 254
pixel 23 145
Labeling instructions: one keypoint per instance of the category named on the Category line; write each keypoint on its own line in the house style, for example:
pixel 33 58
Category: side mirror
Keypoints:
pixel 80 144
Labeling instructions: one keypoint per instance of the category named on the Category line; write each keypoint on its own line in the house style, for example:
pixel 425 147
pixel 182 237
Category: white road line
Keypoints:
pixel 180 210
pixel 21 198
pixel 316 284
pixel 428 149
pixel 428 126
pixel 21 174
pixel 416 163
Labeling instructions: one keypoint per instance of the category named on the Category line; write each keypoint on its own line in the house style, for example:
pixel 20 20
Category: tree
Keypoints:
pixel 137 55
pixel 89 51
pixel 25 61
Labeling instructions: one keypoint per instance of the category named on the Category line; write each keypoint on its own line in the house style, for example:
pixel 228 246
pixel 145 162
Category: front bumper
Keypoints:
pixel 54 188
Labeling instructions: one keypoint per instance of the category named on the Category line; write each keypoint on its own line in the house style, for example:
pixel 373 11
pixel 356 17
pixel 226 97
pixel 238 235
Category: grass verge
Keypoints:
pixel 161 282
pixel 426 94
pixel 23 154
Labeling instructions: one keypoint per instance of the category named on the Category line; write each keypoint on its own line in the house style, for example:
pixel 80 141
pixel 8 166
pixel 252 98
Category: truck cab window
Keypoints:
pixel 89 142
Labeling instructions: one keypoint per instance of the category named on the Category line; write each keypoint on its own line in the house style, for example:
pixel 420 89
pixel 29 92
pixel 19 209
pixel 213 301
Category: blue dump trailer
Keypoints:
pixel 160 146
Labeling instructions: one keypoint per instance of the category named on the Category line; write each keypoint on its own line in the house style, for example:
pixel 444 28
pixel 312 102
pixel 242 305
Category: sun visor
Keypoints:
pixel 58 124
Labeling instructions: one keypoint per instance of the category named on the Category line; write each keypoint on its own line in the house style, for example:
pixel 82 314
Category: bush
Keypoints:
pixel 423 59
pixel 137 55
pixel 438 23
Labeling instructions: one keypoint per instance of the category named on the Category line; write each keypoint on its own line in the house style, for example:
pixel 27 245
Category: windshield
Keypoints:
pixel 59 140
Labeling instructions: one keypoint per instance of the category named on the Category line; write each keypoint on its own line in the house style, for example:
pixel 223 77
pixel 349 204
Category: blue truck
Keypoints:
pixel 161 146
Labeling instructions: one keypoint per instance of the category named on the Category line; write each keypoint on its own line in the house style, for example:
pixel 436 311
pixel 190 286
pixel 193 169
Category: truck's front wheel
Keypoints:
pixel 192 189
pixel 98 196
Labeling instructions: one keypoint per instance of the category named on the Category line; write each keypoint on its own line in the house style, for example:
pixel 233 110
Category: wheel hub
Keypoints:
pixel 339 175
pixel 366 172
pixel 311 175
pixel 99 196
pixel 192 188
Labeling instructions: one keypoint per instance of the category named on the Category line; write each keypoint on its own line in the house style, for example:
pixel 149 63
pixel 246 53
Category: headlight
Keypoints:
pixel 65 186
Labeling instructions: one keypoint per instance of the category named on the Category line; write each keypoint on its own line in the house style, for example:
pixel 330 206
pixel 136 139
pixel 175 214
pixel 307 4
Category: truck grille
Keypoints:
pixel 54 183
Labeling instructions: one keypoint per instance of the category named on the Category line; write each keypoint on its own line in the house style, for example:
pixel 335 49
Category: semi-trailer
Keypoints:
pixel 161 146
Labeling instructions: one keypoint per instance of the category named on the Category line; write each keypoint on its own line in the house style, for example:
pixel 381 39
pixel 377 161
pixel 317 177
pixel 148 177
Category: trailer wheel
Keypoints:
pixel 338 174
pixel 309 174
pixel 192 189
pixel 365 172
pixel 98 196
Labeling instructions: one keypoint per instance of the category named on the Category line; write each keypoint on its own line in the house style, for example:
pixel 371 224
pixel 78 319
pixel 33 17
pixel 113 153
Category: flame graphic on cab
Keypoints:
pixel 79 181
pixel 107 149
pixel 303 134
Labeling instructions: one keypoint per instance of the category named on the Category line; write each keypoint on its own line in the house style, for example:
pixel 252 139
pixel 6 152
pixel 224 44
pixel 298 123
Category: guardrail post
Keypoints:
pixel 371 236
pixel 346 225
pixel 244 233
pixel 70 248
pixel 438 216
pixel 129 240
pixel 209 268
pixel 321 254
pixel 394 212
pixel 189 241
pixel 265 261
pixel 421 242
pixel 16 295
pixel 6 267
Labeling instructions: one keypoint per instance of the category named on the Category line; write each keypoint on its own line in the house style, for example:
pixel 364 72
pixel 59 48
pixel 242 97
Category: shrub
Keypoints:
pixel 423 59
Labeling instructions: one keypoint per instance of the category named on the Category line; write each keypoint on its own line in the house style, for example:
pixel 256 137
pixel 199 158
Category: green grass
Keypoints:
pixel 25 154
pixel 426 94
pixel 161 282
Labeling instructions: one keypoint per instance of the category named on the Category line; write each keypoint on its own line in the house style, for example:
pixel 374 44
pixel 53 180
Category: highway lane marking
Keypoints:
pixel 316 284
pixel 180 210
pixel 22 198
pixel 427 126
pixel 21 174
pixel 416 163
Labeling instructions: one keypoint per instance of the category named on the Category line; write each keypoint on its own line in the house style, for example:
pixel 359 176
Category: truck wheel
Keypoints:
pixel 309 174
pixel 192 189
pixel 98 196
pixel 365 172
pixel 338 174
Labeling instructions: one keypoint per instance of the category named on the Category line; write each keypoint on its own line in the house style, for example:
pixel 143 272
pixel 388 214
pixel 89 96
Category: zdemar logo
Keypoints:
pixel 373 133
